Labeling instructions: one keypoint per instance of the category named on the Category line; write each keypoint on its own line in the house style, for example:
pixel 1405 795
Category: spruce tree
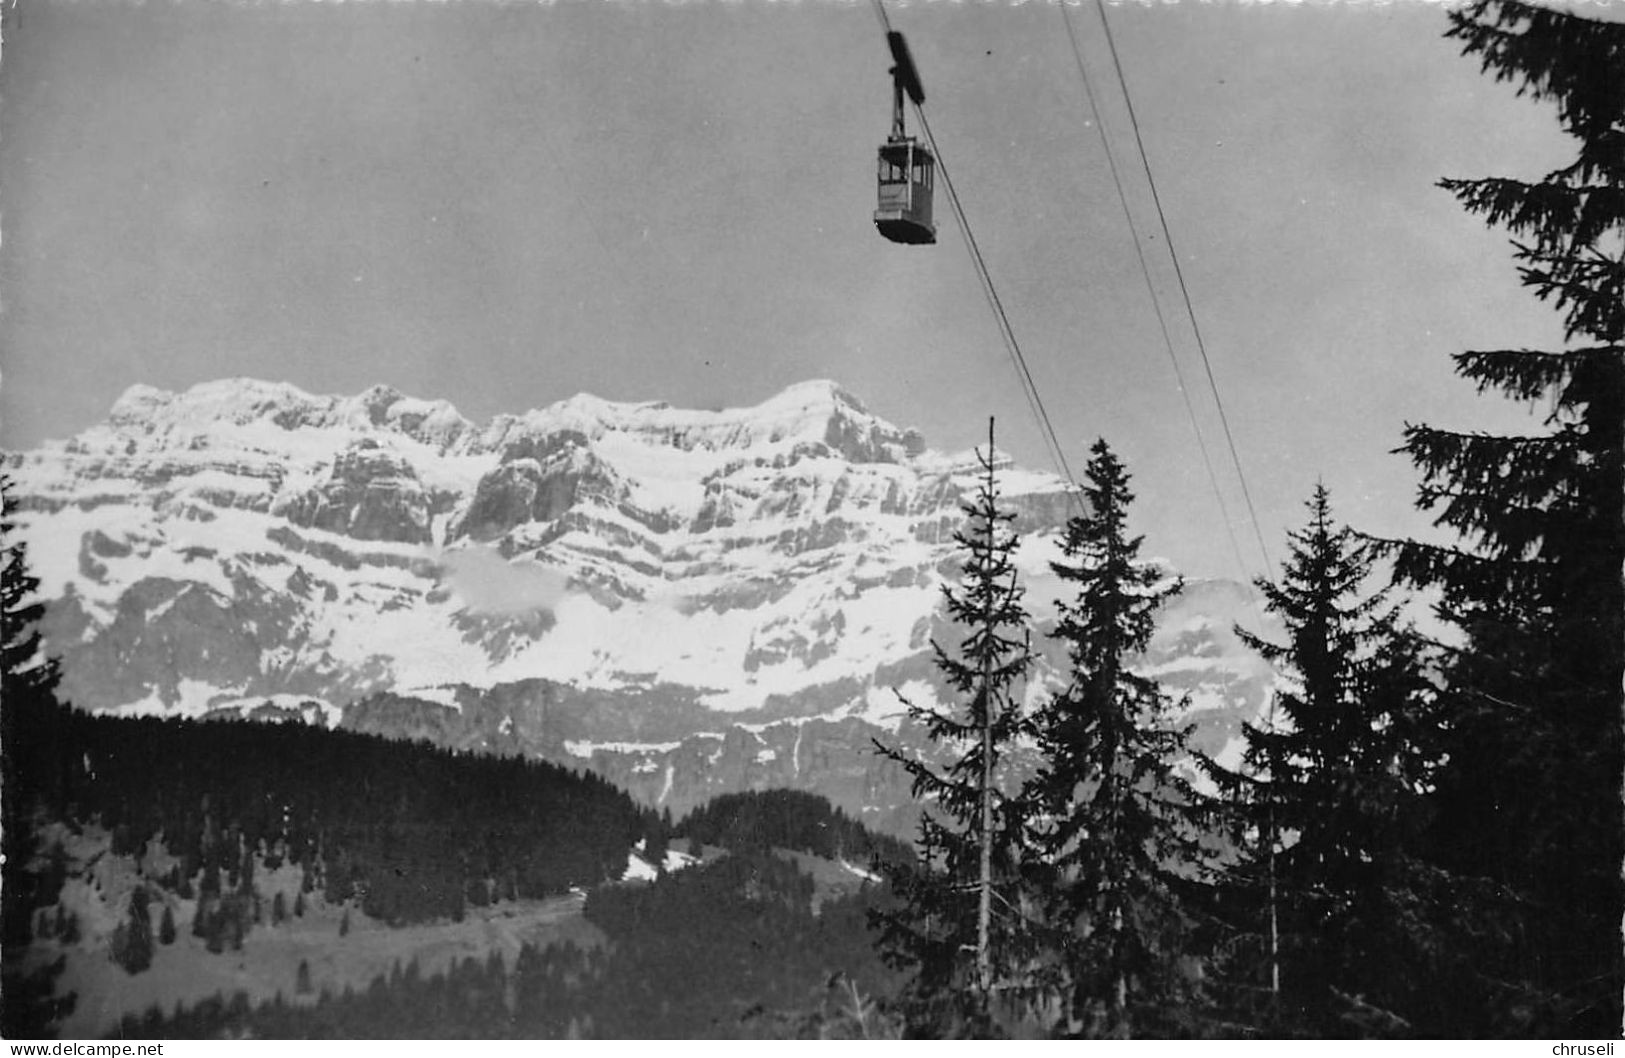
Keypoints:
pixel 959 925
pixel 1330 792
pixel 1530 800
pixel 131 945
pixel 166 926
pixel 30 677
pixel 1118 829
pixel 70 931
pixel 31 727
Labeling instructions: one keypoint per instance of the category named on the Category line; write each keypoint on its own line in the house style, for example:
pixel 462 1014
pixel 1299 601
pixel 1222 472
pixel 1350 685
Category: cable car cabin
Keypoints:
pixel 904 211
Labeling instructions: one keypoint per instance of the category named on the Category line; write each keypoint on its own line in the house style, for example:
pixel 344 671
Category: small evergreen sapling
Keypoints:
pixel 166 926
pixel 131 943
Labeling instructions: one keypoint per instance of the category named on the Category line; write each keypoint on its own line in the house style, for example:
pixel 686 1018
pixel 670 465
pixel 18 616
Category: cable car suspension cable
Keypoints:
pixel 1151 290
pixel 1275 966
pixel 885 20
pixel 1224 419
pixel 1035 402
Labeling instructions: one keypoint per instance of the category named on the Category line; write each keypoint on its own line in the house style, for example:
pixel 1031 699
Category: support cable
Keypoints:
pixel 885 20
pixel 1179 273
pixel 1156 302
pixel 1274 835
pixel 1035 401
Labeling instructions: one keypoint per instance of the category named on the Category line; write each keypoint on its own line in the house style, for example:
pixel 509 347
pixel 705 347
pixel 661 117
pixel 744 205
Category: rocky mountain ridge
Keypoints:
pixel 687 601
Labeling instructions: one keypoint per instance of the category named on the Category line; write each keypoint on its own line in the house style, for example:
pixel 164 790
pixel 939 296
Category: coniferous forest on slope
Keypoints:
pixel 727 949
pixel 1423 838
pixel 409 831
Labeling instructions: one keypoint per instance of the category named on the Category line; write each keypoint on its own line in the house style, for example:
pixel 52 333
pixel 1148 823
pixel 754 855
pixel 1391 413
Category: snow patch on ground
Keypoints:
pixel 424 649
pixel 585 749
pixel 882 706
pixel 868 876
pixel 443 695
pixel 191 699
pixel 313 710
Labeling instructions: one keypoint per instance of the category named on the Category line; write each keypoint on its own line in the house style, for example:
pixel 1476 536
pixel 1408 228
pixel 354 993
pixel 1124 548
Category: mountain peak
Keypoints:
pixel 228 399
pixel 817 412
pixel 248 401
pixel 817 390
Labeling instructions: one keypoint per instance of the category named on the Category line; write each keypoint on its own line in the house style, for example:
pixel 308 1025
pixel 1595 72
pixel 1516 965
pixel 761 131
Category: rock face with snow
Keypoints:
pixel 689 602
pixel 369 495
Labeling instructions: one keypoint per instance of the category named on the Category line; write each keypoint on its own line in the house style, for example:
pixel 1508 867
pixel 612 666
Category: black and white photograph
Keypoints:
pixel 812 520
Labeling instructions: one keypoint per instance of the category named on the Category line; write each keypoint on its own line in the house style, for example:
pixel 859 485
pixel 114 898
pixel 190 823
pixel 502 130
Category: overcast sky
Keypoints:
pixel 504 205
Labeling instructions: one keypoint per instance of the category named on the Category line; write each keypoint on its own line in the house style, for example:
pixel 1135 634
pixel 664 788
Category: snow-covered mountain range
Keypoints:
pixel 687 601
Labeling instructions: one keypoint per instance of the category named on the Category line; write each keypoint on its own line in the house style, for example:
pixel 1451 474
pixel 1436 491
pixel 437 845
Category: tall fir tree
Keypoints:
pixel 29 717
pixel 1330 794
pixel 30 728
pixel 1117 831
pixel 1531 798
pixel 28 675
pixel 959 924
pixel 22 660
pixel 131 943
